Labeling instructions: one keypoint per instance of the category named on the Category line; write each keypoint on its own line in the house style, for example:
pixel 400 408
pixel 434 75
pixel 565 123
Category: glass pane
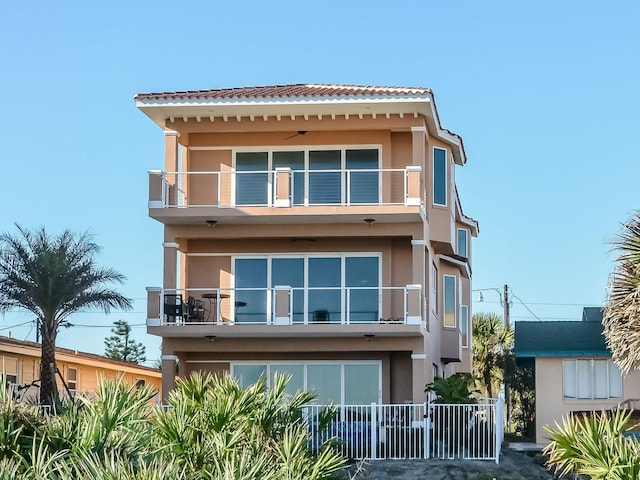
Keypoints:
pixel 464 325
pixel 297 376
pixel 615 381
pixel 249 374
pixel 449 301
pixel 569 378
pixel 462 242
pixel 324 303
pixel 363 186
pixel 290 272
pixel 584 379
pixel 295 161
pixel 325 187
pixel 439 176
pixel 361 384
pixel 363 272
pixel 251 188
pixel 600 379
pixel 251 291
pixel 325 381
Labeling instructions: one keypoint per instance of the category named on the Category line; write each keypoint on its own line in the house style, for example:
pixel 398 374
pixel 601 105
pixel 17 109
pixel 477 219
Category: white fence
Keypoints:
pixel 406 431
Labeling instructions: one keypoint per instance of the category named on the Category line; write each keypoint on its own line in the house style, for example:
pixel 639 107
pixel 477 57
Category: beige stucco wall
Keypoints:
pixel 551 406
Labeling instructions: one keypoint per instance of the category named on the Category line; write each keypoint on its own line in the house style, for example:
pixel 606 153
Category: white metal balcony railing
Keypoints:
pixel 285 305
pixel 284 187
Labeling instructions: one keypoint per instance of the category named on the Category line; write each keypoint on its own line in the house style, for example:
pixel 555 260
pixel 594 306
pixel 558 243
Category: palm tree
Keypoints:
pixel 622 311
pixel 492 343
pixel 53 277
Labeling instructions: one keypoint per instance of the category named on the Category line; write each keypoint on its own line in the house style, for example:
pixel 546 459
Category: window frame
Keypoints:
pixel 75 380
pixel 454 310
pixel 465 321
pixel 443 183
pixel 592 379
pixel 305 364
pixel 466 242
pixel 306 149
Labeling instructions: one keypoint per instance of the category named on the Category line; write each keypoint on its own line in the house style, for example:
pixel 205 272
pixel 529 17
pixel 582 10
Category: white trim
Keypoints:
pixel 414 320
pixel 154 289
pixel 466 334
pixel 170 245
pixel 168 357
pixel 153 322
pixel 155 204
pixel 416 243
pixel 419 129
pixel 171 133
pixel 458 230
pixel 155 172
pixel 418 356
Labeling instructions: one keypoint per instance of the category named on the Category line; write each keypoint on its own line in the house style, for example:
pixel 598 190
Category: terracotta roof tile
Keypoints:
pixel 300 90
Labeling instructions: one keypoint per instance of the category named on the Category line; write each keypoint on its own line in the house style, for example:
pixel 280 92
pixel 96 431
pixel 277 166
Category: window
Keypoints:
pixel 331 288
pixel 449 301
pixel 337 382
pixel 462 242
pixel 72 378
pixel 433 291
pixel 591 379
pixel 327 176
pixel 10 369
pixel 464 325
pixel 439 176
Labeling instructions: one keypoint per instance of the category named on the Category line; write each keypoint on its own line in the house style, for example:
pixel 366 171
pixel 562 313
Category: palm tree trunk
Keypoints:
pixel 48 387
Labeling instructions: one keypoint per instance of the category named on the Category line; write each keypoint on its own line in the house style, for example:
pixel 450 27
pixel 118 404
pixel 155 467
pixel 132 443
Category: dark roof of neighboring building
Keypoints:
pixel 592 314
pixel 562 339
pixel 90 356
pixel 299 90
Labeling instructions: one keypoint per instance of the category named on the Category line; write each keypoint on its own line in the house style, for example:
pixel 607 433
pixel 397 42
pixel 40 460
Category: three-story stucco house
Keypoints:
pixel 314 230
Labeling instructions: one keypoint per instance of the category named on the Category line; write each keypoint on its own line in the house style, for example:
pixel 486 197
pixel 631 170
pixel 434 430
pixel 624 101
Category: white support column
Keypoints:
pixel 168 374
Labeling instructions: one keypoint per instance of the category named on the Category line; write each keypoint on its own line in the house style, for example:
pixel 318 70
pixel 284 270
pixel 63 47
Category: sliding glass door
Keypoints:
pixel 324 289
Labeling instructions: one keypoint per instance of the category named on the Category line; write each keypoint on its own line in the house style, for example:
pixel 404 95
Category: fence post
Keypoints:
pixel 374 431
pixel 427 425
pixel 499 429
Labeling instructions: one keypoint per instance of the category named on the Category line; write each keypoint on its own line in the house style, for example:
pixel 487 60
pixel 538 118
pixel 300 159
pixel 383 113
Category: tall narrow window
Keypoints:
pixel 464 325
pixel 439 176
pixel 462 242
pixel 449 301
pixel 251 188
pixel 325 185
pixel 72 378
pixel 362 185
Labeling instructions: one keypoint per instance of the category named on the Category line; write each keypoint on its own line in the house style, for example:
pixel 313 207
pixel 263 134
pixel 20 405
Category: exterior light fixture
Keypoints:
pixel 369 221
pixel 480 297
pixel 210 338
pixel 369 336
pixel 211 223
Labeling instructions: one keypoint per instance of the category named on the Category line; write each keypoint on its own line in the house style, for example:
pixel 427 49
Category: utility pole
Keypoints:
pixel 507 390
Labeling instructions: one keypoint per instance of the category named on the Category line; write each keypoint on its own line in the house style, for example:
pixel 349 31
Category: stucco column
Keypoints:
pixel 168 374
pixel 420 158
pixel 171 150
pixel 419 377
pixel 170 271
pixel 418 249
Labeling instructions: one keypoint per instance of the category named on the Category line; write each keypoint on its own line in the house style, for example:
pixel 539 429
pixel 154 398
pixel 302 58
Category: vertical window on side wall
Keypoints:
pixel 464 325
pixel 439 176
pixel 72 378
pixel 462 243
pixel 449 303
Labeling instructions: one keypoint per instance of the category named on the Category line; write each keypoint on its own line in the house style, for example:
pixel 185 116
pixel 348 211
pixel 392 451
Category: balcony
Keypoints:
pixel 284 188
pixel 283 306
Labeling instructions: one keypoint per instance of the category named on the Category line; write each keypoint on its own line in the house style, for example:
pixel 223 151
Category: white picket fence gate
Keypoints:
pixel 411 431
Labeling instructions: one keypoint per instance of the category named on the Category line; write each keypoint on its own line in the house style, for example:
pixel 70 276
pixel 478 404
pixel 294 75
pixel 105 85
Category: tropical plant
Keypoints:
pixel 121 346
pixel 595 445
pixel 53 278
pixel 492 344
pixel 455 389
pixel 622 311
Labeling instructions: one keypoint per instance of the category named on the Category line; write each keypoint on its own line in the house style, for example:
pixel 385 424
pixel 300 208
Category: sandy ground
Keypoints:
pixel 513 466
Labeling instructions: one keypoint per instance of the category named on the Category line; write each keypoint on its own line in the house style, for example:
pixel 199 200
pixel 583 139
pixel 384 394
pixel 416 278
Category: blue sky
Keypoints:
pixel 545 95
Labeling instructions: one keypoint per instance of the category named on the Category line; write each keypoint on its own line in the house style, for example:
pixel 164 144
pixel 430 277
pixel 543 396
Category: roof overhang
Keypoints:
pixel 461 264
pixel 162 108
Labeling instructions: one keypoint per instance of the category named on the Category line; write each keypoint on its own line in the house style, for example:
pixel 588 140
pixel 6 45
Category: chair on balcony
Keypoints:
pixel 173 307
pixel 195 310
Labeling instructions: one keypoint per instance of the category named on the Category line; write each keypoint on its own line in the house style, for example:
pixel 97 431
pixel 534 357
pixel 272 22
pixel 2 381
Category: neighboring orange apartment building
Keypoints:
pixel 314 230
pixel 20 363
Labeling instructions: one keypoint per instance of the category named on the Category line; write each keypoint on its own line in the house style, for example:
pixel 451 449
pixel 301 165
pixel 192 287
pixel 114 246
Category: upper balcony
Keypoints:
pixel 182 197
